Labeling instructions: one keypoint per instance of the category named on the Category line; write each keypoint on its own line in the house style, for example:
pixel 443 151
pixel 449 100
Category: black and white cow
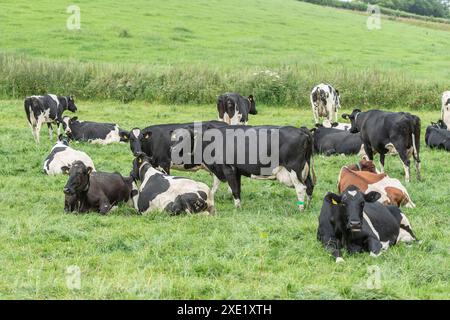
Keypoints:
pixel 445 111
pixel 357 222
pixel 230 152
pixel 325 102
pixel 388 131
pixel 330 141
pixel 234 108
pixel 47 109
pixel 437 137
pixel 335 125
pixel 94 132
pixel 62 156
pixel 94 191
pixel 156 142
pixel 158 191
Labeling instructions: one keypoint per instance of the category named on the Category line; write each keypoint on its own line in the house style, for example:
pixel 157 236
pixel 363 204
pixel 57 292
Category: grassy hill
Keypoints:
pixel 221 45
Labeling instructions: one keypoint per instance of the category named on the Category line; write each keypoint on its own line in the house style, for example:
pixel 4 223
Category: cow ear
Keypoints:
pixel 65 169
pixel 140 158
pixel 73 119
pixel 344 116
pixel 250 97
pixel 372 196
pixel 147 134
pixel 89 170
pixel 333 198
pixel 337 92
pixel 124 135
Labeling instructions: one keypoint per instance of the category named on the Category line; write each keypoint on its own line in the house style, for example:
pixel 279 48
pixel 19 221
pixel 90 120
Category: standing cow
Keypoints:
pixel 234 108
pixel 445 111
pixel 47 109
pixel 325 102
pixel 385 131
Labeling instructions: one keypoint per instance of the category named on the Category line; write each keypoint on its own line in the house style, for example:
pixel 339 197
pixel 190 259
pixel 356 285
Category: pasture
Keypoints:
pixel 267 249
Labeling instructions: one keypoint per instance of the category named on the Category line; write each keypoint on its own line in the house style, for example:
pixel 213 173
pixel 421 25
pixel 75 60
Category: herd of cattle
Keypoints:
pixel 364 216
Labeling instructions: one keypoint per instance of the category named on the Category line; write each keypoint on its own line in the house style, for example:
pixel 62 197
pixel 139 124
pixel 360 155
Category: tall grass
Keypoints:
pixel 287 85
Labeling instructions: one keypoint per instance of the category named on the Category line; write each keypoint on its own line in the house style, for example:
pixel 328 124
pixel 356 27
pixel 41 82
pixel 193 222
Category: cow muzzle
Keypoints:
pixel 354 226
pixel 68 191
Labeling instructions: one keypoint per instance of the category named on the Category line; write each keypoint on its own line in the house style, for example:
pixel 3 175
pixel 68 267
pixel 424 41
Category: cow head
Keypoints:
pixel 136 136
pixel 439 124
pixel 66 122
pixel 124 135
pixel 71 104
pixel 140 159
pixel 252 106
pixel 78 178
pixel 63 140
pixel 350 204
pixel 353 120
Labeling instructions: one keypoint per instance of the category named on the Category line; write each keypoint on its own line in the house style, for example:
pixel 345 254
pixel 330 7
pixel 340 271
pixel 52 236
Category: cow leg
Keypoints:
pixel 382 156
pixel 369 151
pixel 50 130
pixel 38 129
pixel 300 189
pixel 374 246
pixel 33 132
pixel 215 184
pixel 405 160
pixel 234 181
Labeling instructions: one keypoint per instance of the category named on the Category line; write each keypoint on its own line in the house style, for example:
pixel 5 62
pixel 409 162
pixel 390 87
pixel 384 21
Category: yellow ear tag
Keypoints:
pixel 333 201
pixel 140 160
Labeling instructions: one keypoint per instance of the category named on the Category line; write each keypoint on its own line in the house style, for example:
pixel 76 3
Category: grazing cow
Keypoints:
pixel 94 132
pixel 62 156
pixel 234 108
pixel 94 191
pixel 330 141
pixel 230 152
pixel 391 190
pixel 358 223
pixel 445 111
pixel 157 141
pixel 159 191
pixel 47 109
pixel 435 137
pixel 325 102
pixel 385 131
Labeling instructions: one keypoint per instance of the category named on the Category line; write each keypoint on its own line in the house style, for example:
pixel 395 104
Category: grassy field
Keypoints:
pixel 265 250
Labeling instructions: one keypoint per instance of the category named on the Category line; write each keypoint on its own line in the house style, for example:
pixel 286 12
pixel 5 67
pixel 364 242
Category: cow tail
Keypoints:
pixel 415 135
pixel 27 105
pixel 309 153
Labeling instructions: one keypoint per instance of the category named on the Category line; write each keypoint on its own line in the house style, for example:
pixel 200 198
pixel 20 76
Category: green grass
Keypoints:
pixel 265 250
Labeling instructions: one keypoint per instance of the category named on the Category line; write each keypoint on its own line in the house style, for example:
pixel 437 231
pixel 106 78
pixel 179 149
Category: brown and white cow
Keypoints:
pixel 364 177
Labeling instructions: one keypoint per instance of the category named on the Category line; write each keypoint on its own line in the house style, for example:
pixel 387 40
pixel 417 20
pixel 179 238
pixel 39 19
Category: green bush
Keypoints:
pixel 289 85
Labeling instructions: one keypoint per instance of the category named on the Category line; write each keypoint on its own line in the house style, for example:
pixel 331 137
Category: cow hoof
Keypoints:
pixel 374 255
pixel 237 203
pixel 339 260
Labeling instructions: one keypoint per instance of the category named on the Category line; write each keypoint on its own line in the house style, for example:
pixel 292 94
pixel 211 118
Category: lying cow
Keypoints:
pixel 94 191
pixel 385 131
pixel 94 132
pixel 435 137
pixel 47 109
pixel 358 222
pixel 330 141
pixel 234 108
pixel 230 152
pixel 391 190
pixel 157 141
pixel 159 191
pixel 325 102
pixel 62 156
pixel 445 111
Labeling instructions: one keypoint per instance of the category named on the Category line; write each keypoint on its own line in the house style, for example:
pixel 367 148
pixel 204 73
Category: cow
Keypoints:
pixel 330 141
pixel 234 108
pixel 94 132
pixel 62 156
pixel 47 109
pixel 230 152
pixel 158 191
pixel 87 191
pixel 325 102
pixel 357 222
pixel 156 142
pixel 335 125
pixel 445 111
pixel 391 190
pixel 437 137
pixel 388 131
